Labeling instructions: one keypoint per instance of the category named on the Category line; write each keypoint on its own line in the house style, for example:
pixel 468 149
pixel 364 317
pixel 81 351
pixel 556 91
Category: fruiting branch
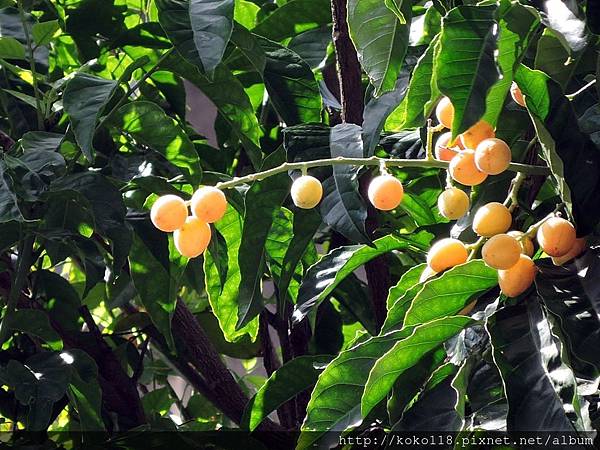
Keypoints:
pixel 372 161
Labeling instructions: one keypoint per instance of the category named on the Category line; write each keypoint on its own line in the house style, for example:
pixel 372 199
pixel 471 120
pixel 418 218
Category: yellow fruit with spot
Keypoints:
pixel 477 133
pixel 492 156
pixel 444 149
pixel 192 238
pixel 168 213
pixel 446 253
pixel 209 204
pixel 516 94
pixel 444 112
pixel 453 203
pixel 385 192
pixel 306 192
pixel 525 242
pixel 491 219
pixel 463 169
pixel 501 251
pixel 556 236
pixel 578 248
pixel 518 278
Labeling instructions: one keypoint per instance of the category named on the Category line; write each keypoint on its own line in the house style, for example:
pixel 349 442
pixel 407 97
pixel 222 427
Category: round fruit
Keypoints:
pixel 446 253
pixel 427 273
pixel 444 150
pixel 445 112
pixel 209 204
pixel 556 236
pixel 516 94
pixel 491 219
pixel 306 192
pixel 477 133
pixel 578 247
pixel 192 238
pixel 453 203
pixel 168 213
pixel 463 169
pixel 385 192
pixel 525 242
pixel 518 278
pixel 492 156
pixel 501 251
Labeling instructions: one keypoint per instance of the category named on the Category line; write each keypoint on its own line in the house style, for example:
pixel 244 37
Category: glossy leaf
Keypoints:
pixel 35 322
pixel 405 354
pixel 84 99
pixel 380 38
pixel 554 59
pixel 200 29
pixel 10 48
pixel 41 140
pixel 401 296
pixel 43 32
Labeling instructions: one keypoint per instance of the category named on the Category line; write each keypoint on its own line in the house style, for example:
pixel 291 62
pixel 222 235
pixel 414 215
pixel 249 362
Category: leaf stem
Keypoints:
pixel 372 161
pixel 576 93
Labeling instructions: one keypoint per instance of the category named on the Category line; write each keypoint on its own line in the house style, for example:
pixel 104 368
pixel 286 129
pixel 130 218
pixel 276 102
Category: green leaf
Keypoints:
pixel 262 201
pixel 84 390
pixel 312 45
pixel 41 141
pixel 223 295
pixel 533 375
pixel 335 401
pixel 405 354
pixel 554 59
pixel 200 29
pixel 149 125
pixel 380 38
pixel 465 65
pixel 322 278
pixel 573 159
pixel 9 209
pixel 409 279
pixel 517 24
pixel 450 292
pixel 43 32
pixel 35 322
pixel 84 99
pixel 401 296
pixel 293 18
pixel 342 207
pixel 284 384
pixel 10 48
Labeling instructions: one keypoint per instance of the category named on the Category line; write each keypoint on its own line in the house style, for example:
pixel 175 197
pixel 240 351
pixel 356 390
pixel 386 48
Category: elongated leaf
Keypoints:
pixel 342 207
pixel 9 209
pixel 312 45
pixel 409 279
pixel 84 390
pixel 452 291
pixel 517 23
pixel 223 288
pixel 554 59
pixel 10 48
pixel 43 32
pixel 200 29
pixel 84 99
pixel 539 388
pixel 335 401
pixel 573 159
pixel 41 140
pixel 405 354
pixel 402 295
pixel 486 398
pixel 381 40
pixel 149 125
pixel 465 66
pixel 294 17
pixel 322 278
pixel 35 322
pixel 263 200
pixel 286 382
pixel 567 292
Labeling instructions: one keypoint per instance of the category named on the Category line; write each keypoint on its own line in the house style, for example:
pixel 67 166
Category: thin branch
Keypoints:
pixel 576 93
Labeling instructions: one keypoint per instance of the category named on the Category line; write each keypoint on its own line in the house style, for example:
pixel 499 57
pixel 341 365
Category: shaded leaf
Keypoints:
pixel 41 140
pixel 9 209
pixel 10 48
pixel 35 322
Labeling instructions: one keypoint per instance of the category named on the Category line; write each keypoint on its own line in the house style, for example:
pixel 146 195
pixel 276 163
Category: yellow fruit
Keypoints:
pixel 306 192
pixel 445 112
pixel 578 248
pixel 501 251
pixel 556 236
pixel 516 94
pixel 446 253
pixel 453 203
pixel 491 219
pixel 446 150
pixel 192 238
pixel 525 242
pixel 518 278
pixel 426 274
pixel 168 213
pixel 209 204
pixel 477 133
pixel 385 192
pixel 492 156
pixel 463 169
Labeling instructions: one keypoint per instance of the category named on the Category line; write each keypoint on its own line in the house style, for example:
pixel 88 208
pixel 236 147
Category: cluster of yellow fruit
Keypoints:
pixel 191 233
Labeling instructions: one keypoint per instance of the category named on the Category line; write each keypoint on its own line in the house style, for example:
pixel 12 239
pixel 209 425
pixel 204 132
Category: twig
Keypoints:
pixel 576 93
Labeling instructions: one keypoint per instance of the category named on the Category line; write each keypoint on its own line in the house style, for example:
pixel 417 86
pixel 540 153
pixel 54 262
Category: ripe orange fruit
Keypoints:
pixel 306 192
pixel 501 251
pixel 444 150
pixel 491 219
pixel 578 248
pixel 518 278
pixel 385 192
pixel 192 238
pixel 463 169
pixel 446 253
pixel 453 203
pixel 525 242
pixel 444 112
pixel 477 133
pixel 556 236
pixel 492 156
pixel 209 204
pixel 168 213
